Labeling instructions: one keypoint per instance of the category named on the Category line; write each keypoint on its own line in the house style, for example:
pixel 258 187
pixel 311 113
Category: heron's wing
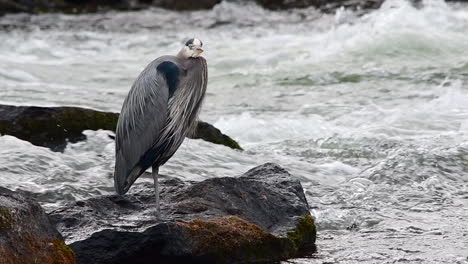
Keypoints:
pixel 143 116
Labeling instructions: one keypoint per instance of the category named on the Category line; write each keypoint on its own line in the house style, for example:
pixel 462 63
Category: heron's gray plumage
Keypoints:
pixel 158 113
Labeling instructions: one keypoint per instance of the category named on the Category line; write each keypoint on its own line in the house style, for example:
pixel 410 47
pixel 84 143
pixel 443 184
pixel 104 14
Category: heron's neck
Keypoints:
pixel 184 53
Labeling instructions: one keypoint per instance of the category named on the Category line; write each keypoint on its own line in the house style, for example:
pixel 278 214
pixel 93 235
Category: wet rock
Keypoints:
pixel 86 6
pixel 186 4
pixel 211 134
pixel 323 5
pixel 26 234
pixel 53 127
pixel 261 216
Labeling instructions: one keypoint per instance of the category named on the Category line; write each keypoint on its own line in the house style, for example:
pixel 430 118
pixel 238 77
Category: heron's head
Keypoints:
pixel 192 48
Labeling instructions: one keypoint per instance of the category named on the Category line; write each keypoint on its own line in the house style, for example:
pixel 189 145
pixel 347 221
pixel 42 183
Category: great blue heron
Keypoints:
pixel 159 111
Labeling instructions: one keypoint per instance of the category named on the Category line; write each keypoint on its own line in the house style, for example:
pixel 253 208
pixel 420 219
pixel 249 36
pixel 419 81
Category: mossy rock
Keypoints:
pixel 260 217
pixel 211 134
pixel 26 234
pixel 224 240
pixel 304 235
pixel 6 219
pixel 54 127
pixel 237 241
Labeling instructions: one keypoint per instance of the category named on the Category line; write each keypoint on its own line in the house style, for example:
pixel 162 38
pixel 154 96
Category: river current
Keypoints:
pixel 368 111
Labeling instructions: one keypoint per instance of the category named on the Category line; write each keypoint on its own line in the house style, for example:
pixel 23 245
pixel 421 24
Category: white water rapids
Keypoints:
pixel 369 112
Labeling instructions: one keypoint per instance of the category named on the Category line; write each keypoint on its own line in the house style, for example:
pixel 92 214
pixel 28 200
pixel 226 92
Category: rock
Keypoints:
pixel 53 127
pixel 26 234
pixel 285 4
pixel 86 6
pixel 261 216
pixel 323 5
pixel 211 134
pixel 186 4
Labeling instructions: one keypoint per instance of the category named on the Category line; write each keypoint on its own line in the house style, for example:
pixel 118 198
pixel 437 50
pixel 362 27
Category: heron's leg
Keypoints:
pixel 156 189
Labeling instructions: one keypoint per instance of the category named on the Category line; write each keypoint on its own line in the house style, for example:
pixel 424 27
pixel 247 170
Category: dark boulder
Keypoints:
pixel 186 4
pixel 211 134
pixel 53 127
pixel 323 5
pixel 86 6
pixel 261 216
pixel 26 234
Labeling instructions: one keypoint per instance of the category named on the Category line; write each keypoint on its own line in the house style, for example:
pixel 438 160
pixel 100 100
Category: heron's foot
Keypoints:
pixel 157 214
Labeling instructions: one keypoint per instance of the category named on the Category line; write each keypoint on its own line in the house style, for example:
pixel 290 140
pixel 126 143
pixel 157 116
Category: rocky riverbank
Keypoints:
pixel 92 6
pixel 259 217
pixel 53 127
pixel 73 7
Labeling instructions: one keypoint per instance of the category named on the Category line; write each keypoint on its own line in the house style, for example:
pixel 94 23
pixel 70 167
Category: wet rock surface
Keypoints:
pixel 211 134
pixel 71 6
pixel 26 234
pixel 53 127
pixel 260 216
pixel 86 6
pixel 323 5
pixel 186 4
pixel 91 6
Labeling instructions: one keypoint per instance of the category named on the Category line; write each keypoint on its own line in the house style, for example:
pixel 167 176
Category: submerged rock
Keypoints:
pixel 26 234
pixel 53 127
pixel 261 216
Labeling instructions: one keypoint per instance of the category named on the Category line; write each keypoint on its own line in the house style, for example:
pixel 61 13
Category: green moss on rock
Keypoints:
pixel 26 233
pixel 53 127
pixel 64 254
pixel 6 219
pixel 305 233
pixel 231 239
pixel 211 134
pixel 29 248
pixel 350 78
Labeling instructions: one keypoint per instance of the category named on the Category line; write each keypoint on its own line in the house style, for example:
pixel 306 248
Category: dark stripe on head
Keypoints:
pixel 190 41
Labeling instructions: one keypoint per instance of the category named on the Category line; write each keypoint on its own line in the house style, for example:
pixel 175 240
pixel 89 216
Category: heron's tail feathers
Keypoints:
pixel 124 183
pixel 124 175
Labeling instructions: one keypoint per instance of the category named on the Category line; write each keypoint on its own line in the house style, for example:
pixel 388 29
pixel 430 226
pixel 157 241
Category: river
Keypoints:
pixel 369 112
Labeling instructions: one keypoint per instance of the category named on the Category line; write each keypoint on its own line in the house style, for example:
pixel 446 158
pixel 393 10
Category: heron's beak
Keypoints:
pixel 199 50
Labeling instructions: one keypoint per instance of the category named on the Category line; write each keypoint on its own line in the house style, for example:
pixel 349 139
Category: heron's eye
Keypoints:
pixel 191 46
